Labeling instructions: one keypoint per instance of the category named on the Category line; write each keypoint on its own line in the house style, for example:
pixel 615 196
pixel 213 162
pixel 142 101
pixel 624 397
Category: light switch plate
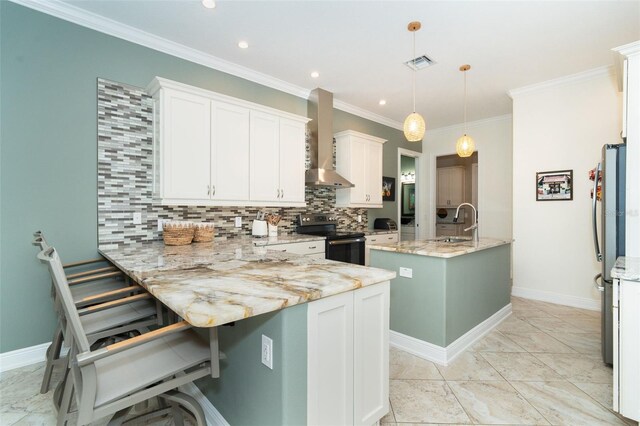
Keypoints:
pixel 137 218
pixel 406 272
pixel 238 222
pixel 267 351
pixel 159 225
pixel 359 219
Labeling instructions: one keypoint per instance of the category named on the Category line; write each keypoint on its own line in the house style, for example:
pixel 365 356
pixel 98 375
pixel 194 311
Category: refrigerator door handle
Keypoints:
pixel 595 209
pixel 595 282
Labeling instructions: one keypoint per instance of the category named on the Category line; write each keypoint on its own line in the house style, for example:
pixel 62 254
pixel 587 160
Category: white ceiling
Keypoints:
pixel 359 47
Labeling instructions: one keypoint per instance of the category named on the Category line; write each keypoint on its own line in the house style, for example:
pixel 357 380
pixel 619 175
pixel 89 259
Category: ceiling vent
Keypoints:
pixel 419 63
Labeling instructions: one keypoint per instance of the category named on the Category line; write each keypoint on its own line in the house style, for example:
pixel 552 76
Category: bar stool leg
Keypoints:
pixel 53 354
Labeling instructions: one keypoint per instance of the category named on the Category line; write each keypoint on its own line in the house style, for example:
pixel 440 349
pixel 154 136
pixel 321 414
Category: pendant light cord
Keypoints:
pixel 414 71
pixel 465 103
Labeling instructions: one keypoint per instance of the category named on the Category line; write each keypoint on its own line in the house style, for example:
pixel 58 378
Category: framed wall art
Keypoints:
pixel 388 188
pixel 554 186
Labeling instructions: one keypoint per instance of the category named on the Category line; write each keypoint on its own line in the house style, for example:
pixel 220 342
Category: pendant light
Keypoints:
pixel 414 123
pixel 465 145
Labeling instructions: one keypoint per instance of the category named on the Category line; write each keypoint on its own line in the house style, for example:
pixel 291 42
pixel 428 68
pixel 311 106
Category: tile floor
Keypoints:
pixel 540 366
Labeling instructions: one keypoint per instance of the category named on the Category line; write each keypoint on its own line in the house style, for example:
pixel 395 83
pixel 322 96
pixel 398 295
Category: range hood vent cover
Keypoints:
pixel 322 172
pixel 419 63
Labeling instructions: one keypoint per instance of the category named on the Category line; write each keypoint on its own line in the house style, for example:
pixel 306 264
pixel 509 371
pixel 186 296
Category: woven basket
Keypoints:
pixel 177 234
pixel 203 232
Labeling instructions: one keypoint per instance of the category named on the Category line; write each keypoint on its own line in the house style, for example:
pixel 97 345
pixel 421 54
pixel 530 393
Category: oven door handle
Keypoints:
pixel 350 241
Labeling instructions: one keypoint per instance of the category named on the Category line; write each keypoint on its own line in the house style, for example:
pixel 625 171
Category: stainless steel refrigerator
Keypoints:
pixel 610 245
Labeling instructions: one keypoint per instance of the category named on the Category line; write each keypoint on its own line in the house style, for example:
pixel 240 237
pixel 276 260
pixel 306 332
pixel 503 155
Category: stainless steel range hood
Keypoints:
pixel 322 173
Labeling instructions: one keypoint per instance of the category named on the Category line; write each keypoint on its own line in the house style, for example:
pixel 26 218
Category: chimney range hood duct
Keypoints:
pixel 322 173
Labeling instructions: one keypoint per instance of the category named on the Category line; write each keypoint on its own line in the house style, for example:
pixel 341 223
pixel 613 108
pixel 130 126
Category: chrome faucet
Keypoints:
pixel 473 227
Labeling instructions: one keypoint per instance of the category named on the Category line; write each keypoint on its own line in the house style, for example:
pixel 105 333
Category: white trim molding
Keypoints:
pixel 125 32
pixel 213 416
pixel 557 298
pixel 470 124
pixel 562 81
pixel 629 49
pixel 444 356
pixel 23 357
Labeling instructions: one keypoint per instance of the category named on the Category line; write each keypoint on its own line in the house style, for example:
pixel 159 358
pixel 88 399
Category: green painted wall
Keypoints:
pixel 446 297
pixel 48 169
pixel 247 392
pixel 407 164
pixel 395 139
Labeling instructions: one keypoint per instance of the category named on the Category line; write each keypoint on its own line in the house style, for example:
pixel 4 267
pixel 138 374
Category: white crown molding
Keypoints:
pixel 343 106
pixel 113 28
pixel 557 298
pixel 471 124
pixel 562 81
pixel 628 49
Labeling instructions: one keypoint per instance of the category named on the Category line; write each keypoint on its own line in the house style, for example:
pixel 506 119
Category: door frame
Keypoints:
pixel 417 157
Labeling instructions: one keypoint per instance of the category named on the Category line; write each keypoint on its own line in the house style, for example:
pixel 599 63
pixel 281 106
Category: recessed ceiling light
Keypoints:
pixel 382 102
pixel 315 74
pixel 209 4
pixel 243 44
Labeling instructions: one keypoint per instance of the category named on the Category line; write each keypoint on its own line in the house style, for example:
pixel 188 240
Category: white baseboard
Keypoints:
pixel 557 298
pixel 214 418
pixel 23 357
pixel 444 356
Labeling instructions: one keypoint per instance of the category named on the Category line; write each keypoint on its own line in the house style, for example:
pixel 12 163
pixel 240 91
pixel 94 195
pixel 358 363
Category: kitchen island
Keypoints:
pixel 242 288
pixel 447 294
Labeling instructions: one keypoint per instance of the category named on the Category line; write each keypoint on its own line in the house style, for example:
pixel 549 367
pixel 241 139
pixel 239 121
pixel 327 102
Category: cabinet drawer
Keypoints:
pixel 305 248
pixel 382 238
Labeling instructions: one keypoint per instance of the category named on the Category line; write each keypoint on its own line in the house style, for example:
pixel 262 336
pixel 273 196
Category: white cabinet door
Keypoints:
pixel 456 186
pixel 229 152
pixel 388 238
pixel 330 361
pixel 359 171
pixel 292 152
pixel 629 350
pixel 185 158
pixel 374 173
pixel 265 156
pixel 371 353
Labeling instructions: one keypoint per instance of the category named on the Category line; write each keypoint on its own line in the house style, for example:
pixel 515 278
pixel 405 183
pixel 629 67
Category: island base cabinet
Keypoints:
pixel 348 357
pixel 626 346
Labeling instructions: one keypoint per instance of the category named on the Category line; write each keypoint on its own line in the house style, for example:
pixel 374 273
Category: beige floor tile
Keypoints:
pixel 539 342
pixel 425 401
pixel 514 324
pixel 584 343
pixel 563 403
pixel 389 417
pixel 553 325
pixel 37 420
pixel 521 367
pixel 403 365
pixel 469 366
pixel 579 368
pixel 11 417
pixel 496 342
pixel 601 392
pixel 495 403
pixel 585 324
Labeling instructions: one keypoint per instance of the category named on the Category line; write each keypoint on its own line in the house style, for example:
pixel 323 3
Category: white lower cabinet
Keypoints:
pixel 384 238
pixel 348 357
pixel 626 347
pixel 315 249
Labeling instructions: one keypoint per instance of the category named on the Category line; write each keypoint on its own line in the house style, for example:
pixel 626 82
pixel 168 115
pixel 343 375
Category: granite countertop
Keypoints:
pixel 210 284
pixel 438 248
pixel 627 268
pixel 280 239
pixel 379 231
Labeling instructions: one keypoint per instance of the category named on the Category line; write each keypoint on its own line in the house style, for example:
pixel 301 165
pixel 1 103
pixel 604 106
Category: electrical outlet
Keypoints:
pixel 406 272
pixel 137 218
pixel 238 221
pixel 359 218
pixel 160 222
pixel 267 351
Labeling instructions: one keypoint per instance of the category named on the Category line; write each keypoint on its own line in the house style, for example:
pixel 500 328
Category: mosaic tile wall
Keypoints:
pixel 125 174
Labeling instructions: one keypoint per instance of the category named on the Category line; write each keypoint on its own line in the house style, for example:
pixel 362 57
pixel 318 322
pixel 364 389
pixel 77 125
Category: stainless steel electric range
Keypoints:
pixel 339 245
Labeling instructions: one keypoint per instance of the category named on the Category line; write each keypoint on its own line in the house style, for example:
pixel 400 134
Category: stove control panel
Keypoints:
pixel 317 219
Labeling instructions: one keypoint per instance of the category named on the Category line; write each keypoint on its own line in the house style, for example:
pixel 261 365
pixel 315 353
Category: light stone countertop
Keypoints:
pixel 627 268
pixel 437 248
pixel 379 231
pixel 280 239
pixel 209 284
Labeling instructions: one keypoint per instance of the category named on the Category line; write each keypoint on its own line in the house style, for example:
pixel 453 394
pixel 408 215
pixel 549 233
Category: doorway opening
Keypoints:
pixel 456 183
pixel 408 210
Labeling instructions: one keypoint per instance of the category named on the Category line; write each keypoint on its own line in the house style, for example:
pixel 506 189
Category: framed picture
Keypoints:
pixel 554 186
pixel 388 188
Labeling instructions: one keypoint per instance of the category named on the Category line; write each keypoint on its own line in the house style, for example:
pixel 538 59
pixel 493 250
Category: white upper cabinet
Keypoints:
pixel 229 152
pixel 450 184
pixel 185 131
pixel 212 149
pixel 359 160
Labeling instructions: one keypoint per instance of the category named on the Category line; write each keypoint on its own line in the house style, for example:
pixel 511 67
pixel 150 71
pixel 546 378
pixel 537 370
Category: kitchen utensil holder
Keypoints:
pixel 273 230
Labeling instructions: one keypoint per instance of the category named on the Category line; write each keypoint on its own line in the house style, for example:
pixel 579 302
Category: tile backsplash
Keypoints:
pixel 125 179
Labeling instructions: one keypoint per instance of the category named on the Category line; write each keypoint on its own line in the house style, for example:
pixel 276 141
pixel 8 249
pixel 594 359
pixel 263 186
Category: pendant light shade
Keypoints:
pixel 465 145
pixel 414 125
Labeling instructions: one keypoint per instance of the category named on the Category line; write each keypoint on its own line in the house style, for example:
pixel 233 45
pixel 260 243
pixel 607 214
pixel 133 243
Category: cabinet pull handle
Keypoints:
pixel 208 190
pixel 213 190
pixel 282 192
pixel 312 247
